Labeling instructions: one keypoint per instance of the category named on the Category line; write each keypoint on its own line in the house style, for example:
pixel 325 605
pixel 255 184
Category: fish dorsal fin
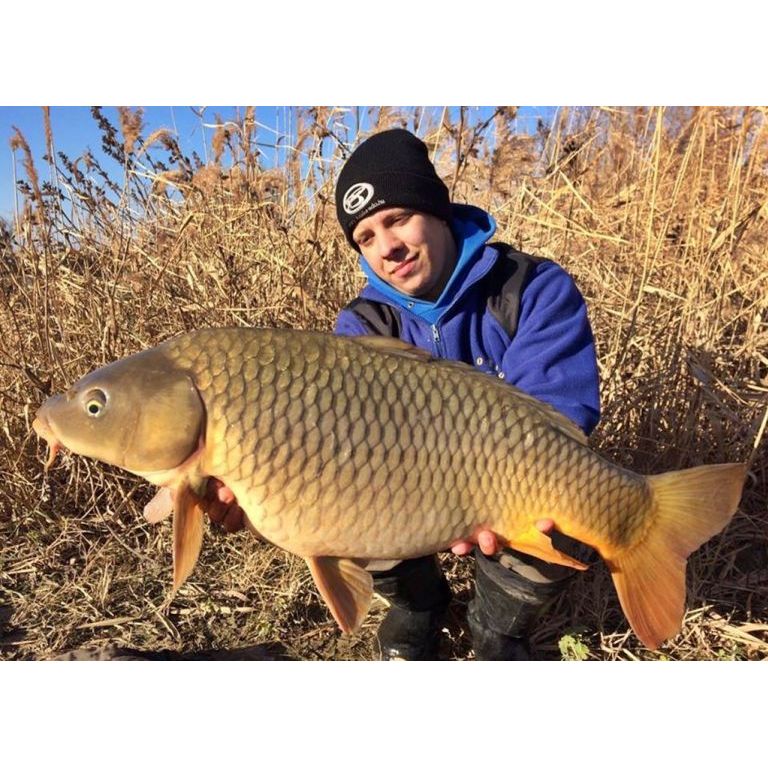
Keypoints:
pixel 346 588
pixel 393 346
pixel 553 416
pixel 188 514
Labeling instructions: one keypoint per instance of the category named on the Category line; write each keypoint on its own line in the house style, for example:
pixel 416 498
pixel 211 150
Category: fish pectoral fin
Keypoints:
pixel 534 542
pixel 346 588
pixel 159 506
pixel 188 514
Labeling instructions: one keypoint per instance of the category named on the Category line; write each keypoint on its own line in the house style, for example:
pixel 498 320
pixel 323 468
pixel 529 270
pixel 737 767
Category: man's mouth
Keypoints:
pixel 403 266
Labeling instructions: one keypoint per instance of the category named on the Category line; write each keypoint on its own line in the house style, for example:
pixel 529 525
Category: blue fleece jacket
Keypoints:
pixel 552 354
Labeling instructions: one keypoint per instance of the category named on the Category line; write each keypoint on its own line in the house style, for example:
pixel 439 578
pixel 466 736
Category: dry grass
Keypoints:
pixel 660 214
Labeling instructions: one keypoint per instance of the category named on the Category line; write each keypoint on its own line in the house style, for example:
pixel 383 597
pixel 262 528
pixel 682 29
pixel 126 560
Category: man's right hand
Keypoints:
pixel 489 545
pixel 486 541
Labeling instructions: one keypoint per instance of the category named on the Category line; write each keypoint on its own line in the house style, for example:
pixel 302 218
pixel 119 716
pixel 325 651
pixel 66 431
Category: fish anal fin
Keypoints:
pixel 534 542
pixel 188 514
pixel 377 565
pixel 346 588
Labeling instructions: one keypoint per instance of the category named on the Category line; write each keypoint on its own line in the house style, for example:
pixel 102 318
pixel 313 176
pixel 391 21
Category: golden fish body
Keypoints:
pixel 345 450
pixel 334 448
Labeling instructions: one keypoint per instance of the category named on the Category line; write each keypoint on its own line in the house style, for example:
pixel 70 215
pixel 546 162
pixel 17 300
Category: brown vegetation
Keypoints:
pixel 660 214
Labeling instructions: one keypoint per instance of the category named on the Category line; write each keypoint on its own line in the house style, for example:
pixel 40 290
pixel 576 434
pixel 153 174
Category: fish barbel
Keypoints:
pixel 351 450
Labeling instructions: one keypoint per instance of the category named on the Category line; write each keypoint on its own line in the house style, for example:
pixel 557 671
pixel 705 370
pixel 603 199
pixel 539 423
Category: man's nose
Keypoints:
pixel 389 244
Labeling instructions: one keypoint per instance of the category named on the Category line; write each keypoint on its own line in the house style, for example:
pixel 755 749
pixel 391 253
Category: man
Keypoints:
pixel 434 281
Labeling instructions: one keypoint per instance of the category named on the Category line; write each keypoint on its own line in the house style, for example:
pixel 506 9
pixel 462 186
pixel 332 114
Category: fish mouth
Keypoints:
pixel 44 431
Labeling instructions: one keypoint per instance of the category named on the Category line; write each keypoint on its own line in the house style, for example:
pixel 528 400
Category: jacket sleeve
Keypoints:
pixel 552 355
pixel 349 324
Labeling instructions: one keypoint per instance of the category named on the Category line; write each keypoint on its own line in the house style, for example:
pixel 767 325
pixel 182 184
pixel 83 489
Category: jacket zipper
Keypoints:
pixel 436 339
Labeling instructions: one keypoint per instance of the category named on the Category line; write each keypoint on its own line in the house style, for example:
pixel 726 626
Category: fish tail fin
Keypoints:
pixel 689 507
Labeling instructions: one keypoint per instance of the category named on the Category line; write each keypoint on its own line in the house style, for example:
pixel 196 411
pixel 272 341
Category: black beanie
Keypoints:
pixel 389 169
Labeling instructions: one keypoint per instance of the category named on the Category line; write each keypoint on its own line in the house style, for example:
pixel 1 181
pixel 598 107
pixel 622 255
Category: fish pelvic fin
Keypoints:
pixel 346 587
pixel 188 516
pixel 690 506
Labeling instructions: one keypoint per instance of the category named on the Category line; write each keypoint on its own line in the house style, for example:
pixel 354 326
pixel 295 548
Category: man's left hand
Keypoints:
pixel 220 504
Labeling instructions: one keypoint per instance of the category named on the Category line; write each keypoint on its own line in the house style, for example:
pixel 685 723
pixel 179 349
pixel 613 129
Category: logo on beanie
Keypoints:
pixel 357 197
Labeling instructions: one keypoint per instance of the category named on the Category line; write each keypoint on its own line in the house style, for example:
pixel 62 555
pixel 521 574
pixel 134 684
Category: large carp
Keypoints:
pixel 350 450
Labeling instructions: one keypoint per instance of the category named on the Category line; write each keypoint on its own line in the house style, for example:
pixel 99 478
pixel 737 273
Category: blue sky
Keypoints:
pixel 75 130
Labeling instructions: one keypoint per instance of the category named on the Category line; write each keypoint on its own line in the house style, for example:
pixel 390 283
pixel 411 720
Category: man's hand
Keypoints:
pixel 221 506
pixel 489 544
pixel 486 540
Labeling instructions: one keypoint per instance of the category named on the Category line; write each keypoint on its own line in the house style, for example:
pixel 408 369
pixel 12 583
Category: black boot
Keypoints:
pixel 505 609
pixel 419 595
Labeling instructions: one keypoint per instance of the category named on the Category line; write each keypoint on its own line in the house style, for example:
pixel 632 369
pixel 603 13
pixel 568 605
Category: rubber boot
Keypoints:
pixel 505 609
pixel 419 595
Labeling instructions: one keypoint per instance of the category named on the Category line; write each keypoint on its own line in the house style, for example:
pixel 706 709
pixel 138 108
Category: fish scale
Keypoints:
pixel 347 450
pixel 319 447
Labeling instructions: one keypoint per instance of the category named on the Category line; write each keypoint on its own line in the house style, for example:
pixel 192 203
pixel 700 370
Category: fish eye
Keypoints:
pixel 95 402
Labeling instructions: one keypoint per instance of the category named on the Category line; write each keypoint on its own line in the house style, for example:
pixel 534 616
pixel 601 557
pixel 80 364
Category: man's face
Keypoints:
pixel 414 252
